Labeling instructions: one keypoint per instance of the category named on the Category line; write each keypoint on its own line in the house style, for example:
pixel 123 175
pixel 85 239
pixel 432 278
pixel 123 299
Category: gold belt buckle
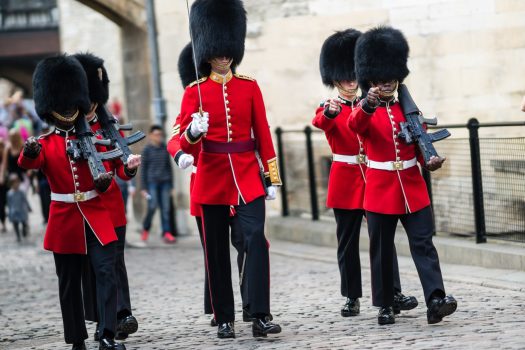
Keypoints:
pixel 398 165
pixel 79 197
pixel 361 159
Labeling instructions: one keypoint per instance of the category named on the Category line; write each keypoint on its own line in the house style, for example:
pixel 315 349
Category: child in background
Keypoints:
pixel 18 207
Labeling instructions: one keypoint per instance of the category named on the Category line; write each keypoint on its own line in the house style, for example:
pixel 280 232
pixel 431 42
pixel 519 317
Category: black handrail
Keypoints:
pixel 472 126
pixel 311 173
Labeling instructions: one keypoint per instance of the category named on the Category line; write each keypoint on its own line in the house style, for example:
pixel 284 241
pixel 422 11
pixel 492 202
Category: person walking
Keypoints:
pixel 79 223
pixel 18 208
pixel 98 84
pixel 395 189
pixel 236 166
pixel 157 183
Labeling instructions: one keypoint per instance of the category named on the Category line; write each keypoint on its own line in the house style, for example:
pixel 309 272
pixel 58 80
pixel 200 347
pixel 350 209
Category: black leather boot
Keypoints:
pixel 261 327
pixel 226 330
pixel 440 307
pixel 404 303
pixel 125 326
pixel 351 307
pixel 386 315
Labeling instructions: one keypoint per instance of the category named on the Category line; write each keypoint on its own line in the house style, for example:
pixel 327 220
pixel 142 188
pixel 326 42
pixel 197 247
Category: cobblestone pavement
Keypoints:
pixel 166 288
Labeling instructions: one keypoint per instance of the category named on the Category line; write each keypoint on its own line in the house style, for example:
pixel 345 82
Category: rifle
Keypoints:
pixel 110 128
pixel 412 130
pixel 84 148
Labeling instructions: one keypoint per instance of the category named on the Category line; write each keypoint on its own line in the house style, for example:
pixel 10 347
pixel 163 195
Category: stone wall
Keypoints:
pixel 82 29
pixel 466 56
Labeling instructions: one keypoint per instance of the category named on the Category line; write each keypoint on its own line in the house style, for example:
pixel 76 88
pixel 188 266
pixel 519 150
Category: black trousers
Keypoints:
pixel 348 257
pixel 256 271
pixel 69 272
pixel 237 241
pixel 89 284
pixel 419 229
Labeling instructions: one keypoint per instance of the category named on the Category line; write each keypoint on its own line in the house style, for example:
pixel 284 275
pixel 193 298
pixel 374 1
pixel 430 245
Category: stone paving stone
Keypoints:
pixel 167 289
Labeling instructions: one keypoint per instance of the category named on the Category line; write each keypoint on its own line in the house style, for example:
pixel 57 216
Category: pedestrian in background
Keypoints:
pixel 18 207
pixel 157 183
pixel 523 104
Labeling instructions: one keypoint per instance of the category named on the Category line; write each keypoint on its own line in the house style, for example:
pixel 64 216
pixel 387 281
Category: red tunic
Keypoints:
pixel 237 113
pixel 65 229
pixel 112 198
pixel 175 151
pixel 389 192
pixel 346 184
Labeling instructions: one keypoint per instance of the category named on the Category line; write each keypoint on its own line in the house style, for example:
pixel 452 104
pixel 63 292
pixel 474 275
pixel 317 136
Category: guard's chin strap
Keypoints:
pixel 348 94
pixel 64 119
pixel 92 112
pixel 391 93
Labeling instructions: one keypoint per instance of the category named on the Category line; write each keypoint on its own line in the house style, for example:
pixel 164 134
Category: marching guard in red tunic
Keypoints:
pixel 183 160
pixel 98 84
pixel 346 185
pixel 236 161
pixel 395 189
pixel 79 223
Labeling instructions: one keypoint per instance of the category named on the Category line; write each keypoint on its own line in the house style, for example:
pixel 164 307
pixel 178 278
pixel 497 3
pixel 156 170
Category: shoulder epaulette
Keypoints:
pixel 201 80
pixel 245 77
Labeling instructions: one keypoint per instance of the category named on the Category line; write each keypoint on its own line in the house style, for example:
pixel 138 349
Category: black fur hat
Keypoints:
pixel 219 29
pixel 186 66
pixel 98 88
pixel 60 85
pixel 381 55
pixel 337 57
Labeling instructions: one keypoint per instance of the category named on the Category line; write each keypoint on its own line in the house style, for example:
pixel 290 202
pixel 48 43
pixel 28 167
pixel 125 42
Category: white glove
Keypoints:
pixel 272 193
pixel 185 161
pixel 199 124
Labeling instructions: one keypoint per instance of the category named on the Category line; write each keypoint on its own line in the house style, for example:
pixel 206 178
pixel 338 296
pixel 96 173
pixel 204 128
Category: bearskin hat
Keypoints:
pixel 98 83
pixel 60 85
pixel 186 66
pixel 381 55
pixel 218 28
pixel 337 57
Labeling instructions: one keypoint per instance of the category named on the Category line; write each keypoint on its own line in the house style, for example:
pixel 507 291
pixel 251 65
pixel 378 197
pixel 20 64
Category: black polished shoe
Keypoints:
pixel 386 316
pixel 226 330
pixel 96 336
pixel 79 346
pixel 246 317
pixel 404 303
pixel 110 344
pixel 213 322
pixel 126 326
pixel 261 327
pixel 351 307
pixel 440 307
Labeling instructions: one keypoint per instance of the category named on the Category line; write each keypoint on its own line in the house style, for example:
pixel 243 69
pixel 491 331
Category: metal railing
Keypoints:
pixel 458 196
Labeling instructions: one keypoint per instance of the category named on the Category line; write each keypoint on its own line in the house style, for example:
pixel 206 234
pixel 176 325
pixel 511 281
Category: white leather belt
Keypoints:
pixel 357 159
pixel 392 166
pixel 194 169
pixel 73 197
